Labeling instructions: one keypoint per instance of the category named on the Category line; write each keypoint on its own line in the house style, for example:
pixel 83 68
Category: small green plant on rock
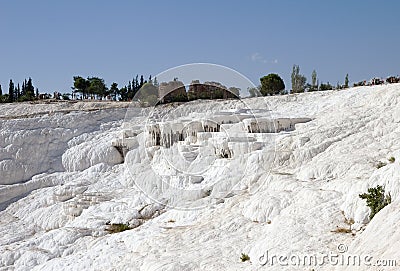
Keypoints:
pixel 244 257
pixel 380 164
pixel 392 159
pixel 376 199
pixel 119 227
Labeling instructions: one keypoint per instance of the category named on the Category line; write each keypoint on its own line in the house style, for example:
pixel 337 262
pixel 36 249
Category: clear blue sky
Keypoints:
pixel 51 41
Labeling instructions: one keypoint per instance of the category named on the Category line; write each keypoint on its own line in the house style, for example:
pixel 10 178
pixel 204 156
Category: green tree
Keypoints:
pixel 298 80
pixel 23 88
pixel 346 81
pixel 114 90
pixel 2 97
pixel 314 84
pixel 123 93
pixel 271 84
pixel 97 87
pixel 130 89
pixel 254 92
pixel 30 89
pixel 81 86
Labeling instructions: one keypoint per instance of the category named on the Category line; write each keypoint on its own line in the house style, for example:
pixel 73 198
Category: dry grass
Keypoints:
pixel 348 222
pixel 341 230
pixel 115 228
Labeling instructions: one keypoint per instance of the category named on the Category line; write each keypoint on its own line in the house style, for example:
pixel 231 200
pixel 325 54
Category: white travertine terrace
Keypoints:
pixel 284 180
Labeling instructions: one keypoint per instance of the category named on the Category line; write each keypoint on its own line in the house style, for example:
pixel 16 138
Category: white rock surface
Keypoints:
pixel 62 182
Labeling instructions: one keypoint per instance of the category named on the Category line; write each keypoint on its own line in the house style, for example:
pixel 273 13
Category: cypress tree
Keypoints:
pixel 23 90
pixel 17 92
pixel 30 90
pixel 314 84
pixel 137 87
pixel 141 81
pixel 11 91
pixel 130 90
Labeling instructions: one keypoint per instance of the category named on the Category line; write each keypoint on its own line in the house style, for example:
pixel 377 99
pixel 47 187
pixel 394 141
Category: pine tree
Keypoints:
pixel 11 92
pixel 271 84
pixel 376 199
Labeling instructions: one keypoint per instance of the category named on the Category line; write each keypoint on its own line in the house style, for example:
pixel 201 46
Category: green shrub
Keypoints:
pixel 376 199
pixel 380 164
pixel 65 96
pixel 119 227
pixel 244 257
pixel 392 159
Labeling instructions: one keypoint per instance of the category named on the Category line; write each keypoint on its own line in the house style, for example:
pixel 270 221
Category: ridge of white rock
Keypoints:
pixel 281 180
